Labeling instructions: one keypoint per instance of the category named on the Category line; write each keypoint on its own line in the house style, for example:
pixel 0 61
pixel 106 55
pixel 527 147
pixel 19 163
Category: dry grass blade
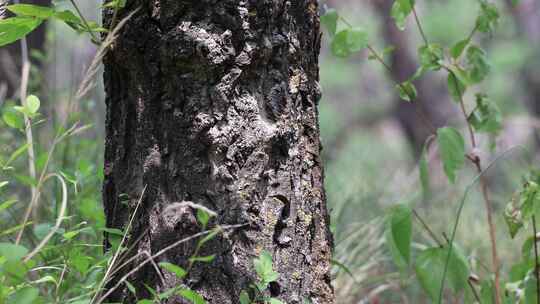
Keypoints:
pixel 162 251
pixel 58 220
pixel 88 81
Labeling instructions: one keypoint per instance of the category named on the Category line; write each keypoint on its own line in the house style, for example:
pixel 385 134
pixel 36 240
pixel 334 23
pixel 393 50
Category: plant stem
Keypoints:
pixel 419 109
pixel 458 216
pixel 420 26
pixel 485 193
pixel 536 268
pixel 426 227
pixel 28 126
pixel 86 24
pixel 475 293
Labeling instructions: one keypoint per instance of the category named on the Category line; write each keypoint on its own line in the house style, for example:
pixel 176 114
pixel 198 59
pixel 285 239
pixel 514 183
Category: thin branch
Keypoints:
pixel 458 216
pixel 419 26
pixel 475 293
pixel 426 227
pixel 88 28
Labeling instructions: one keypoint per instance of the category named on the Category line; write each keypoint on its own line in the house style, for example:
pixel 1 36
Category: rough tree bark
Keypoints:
pixel 215 102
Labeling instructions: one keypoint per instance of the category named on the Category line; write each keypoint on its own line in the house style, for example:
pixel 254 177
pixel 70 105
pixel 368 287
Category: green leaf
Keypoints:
pixel 203 217
pixel 14 28
pixel 30 10
pixel 32 104
pixel 68 17
pixel 488 18
pixel 348 41
pixel 12 117
pixel 431 56
pixel 329 20
pixel 477 61
pixel 458 48
pixel 145 301
pixel 45 279
pixel 15 155
pixel 115 4
pixel 401 9
pixel 487 292
pixel 452 150
pixel 429 268
pixel 456 86
pixel 407 91
pixel 3 184
pixel 205 259
pixel 244 298
pixel 263 267
pixel 486 116
pixel 513 219
pixel 531 292
pixel 209 236
pixel 177 270
pixel 25 295
pixel 192 296
pixel 6 204
pixel 275 301
pixel 399 229
pixel 530 200
pixel 12 252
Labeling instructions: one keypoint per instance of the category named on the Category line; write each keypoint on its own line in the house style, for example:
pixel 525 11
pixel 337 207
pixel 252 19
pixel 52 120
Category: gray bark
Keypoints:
pixel 215 102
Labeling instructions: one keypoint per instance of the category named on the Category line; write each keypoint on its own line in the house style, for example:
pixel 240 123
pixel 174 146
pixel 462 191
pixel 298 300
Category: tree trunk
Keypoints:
pixel 215 102
pixel 526 15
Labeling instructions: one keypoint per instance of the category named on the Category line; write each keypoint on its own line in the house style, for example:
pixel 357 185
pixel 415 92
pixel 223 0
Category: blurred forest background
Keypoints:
pixel 371 138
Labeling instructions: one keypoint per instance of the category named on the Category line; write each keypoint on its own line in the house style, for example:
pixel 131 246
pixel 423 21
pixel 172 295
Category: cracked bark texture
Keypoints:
pixel 215 102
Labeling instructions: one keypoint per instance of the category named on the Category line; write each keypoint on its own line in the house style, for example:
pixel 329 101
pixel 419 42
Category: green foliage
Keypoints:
pixel 457 84
pixel 177 270
pixel 401 9
pixel 479 67
pixel 29 17
pixel 452 150
pixel 399 233
pixel 13 29
pixel 458 48
pixel 266 275
pixel 329 20
pixel 488 18
pixel 407 91
pixel 349 41
pixel 429 267
pixel 486 116
pixel 431 56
